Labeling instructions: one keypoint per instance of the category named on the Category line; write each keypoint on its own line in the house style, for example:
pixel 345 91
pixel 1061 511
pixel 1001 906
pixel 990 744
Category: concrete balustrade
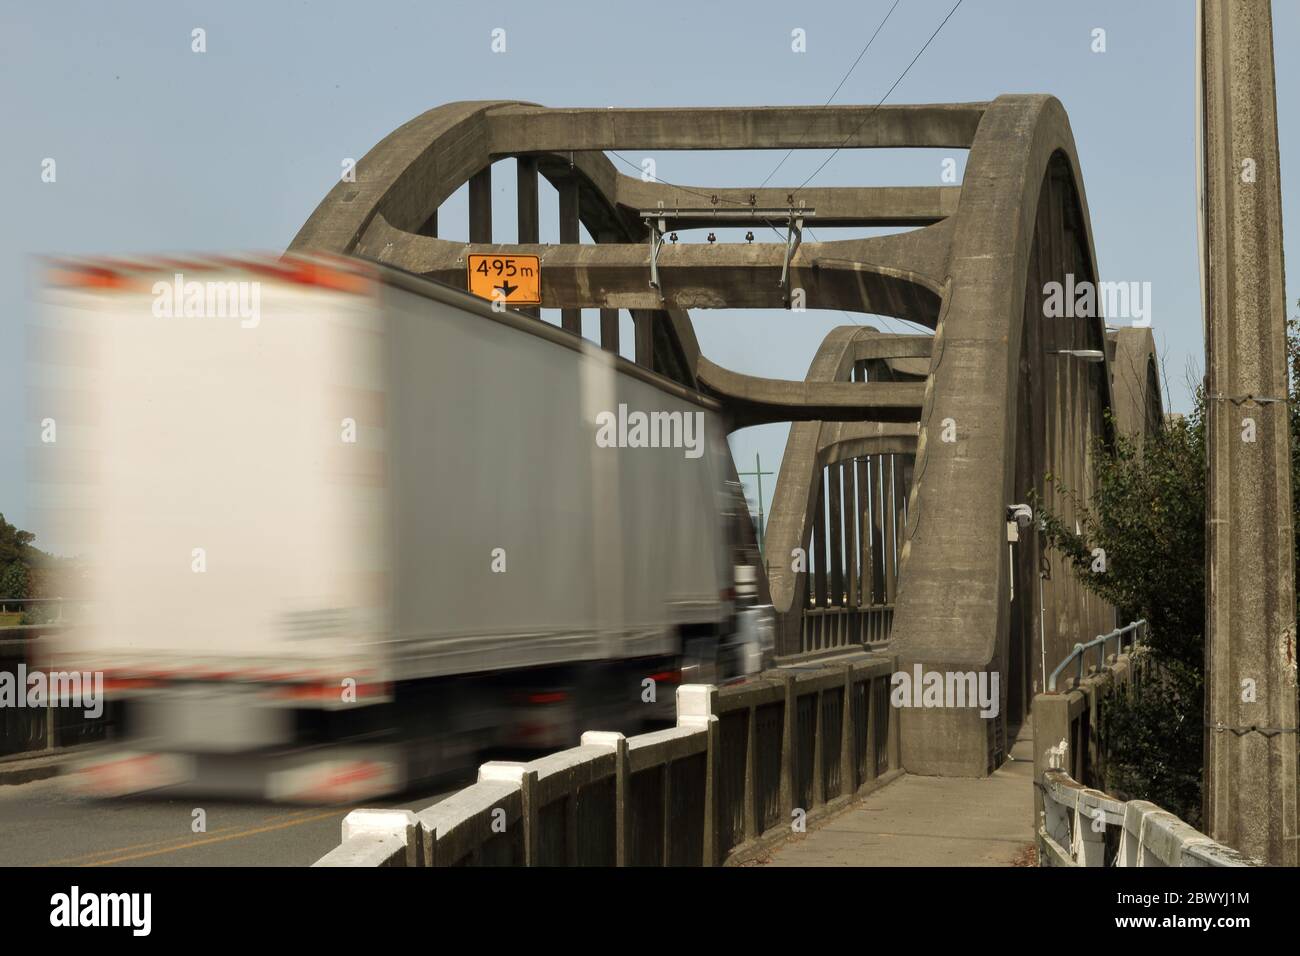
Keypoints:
pixel 1072 832
pixel 744 765
pixel 1077 825
pixel 377 838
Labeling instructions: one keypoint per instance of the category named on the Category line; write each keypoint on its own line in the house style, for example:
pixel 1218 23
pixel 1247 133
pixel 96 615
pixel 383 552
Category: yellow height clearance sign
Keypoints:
pixel 515 280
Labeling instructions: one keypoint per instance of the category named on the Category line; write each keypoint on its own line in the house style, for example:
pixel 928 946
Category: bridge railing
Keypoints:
pixel 1076 824
pixel 1085 827
pixel 1136 633
pixel 827 628
pixel 746 766
pixel 30 731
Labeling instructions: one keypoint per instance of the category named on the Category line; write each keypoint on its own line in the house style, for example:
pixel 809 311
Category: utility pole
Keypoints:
pixel 1250 653
pixel 758 473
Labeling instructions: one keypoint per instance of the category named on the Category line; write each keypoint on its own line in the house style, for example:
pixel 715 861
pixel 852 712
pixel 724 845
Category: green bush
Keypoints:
pixel 15 579
pixel 1148 513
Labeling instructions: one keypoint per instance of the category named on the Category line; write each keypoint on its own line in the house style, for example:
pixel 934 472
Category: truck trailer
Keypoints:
pixel 341 529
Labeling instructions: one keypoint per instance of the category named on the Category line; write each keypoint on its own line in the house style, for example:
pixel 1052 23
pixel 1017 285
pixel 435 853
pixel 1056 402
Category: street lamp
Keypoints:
pixel 1087 355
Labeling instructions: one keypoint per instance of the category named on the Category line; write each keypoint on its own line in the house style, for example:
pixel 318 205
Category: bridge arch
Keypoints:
pixel 1026 402
pixel 941 433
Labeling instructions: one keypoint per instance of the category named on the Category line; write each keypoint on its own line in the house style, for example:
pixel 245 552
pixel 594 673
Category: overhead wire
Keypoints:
pixel 715 198
pixel 830 99
pixel 891 89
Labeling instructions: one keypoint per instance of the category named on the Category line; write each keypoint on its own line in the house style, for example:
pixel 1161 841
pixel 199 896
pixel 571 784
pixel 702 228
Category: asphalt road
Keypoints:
pixel 44 823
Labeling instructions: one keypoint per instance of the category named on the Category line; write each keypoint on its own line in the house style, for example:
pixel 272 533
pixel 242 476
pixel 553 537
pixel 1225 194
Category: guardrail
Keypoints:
pixel 1078 825
pixel 745 767
pixel 1137 629
pixel 1085 827
pixel 826 628
pixel 30 731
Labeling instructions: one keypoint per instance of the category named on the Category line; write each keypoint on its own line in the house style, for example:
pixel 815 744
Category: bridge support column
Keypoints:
pixel 643 326
pixel 480 206
pixel 529 223
pixel 609 330
pixel 609 317
pixel 866 567
pixel 836 536
pixel 570 205
pixel 848 473
pixel 1250 633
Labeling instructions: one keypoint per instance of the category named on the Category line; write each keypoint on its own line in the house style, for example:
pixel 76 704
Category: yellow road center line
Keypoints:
pixel 87 857
pixel 215 839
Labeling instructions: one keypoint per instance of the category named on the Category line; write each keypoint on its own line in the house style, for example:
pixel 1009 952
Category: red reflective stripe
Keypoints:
pixel 328 690
pixel 129 683
pixel 554 697
pixel 85 276
pixel 301 272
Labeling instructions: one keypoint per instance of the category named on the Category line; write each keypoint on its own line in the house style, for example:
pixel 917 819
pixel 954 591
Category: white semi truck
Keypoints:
pixel 342 528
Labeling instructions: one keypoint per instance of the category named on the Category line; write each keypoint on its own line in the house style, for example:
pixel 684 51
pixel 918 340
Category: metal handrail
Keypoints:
pixel 1099 642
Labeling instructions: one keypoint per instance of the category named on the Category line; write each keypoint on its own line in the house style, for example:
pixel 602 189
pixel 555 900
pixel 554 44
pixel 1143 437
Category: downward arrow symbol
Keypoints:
pixel 506 288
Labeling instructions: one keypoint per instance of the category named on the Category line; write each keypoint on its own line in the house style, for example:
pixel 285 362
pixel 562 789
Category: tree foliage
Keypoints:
pixel 1148 513
pixel 19 558
pixel 15 544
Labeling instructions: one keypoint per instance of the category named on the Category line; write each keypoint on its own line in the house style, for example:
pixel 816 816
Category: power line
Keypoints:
pixel 714 198
pixel 790 152
pixel 843 80
pixel 837 149
pixel 690 192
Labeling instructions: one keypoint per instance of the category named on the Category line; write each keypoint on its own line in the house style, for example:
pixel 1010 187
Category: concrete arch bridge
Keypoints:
pixel 906 451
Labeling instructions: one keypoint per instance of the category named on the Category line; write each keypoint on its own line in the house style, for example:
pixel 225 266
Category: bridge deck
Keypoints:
pixel 930 821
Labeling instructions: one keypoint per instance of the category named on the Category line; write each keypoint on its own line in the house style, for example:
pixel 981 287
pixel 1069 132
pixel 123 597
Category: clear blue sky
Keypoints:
pixel 161 149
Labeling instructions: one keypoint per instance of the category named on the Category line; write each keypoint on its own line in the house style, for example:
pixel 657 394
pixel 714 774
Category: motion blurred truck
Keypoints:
pixel 343 528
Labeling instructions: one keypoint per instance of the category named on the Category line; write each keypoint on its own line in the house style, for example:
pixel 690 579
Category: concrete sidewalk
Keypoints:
pixel 930 821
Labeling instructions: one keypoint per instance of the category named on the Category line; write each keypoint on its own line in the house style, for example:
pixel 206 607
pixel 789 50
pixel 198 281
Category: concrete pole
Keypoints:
pixel 1250 776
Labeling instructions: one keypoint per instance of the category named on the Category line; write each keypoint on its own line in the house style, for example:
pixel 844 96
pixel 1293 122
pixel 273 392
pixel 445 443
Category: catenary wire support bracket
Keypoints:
pixel 658 227
pixel 661 221
pixel 793 237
